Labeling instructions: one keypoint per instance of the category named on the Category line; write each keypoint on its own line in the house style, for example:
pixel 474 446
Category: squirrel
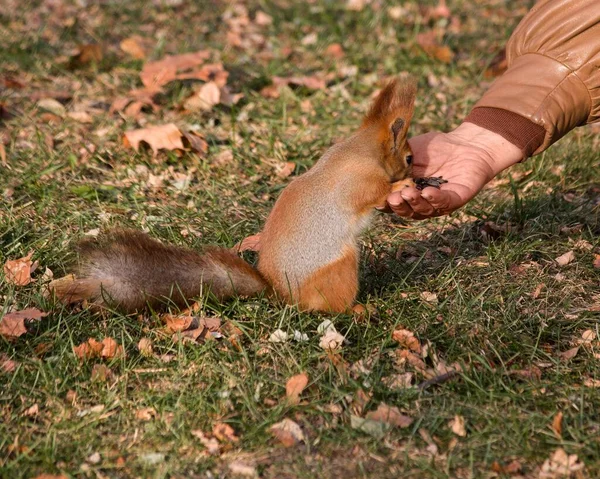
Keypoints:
pixel 308 248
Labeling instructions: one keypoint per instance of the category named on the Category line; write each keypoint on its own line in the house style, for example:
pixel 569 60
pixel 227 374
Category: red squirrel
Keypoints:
pixel 308 248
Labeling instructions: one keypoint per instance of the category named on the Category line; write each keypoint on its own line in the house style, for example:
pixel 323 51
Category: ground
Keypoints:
pixel 480 290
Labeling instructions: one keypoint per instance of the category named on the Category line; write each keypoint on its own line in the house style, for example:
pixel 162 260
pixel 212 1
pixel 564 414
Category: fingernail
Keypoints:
pixel 394 199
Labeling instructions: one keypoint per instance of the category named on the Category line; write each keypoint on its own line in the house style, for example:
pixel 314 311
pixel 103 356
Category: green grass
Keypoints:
pixel 486 319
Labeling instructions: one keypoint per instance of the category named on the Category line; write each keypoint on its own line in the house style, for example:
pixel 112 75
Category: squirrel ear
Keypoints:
pixel 392 110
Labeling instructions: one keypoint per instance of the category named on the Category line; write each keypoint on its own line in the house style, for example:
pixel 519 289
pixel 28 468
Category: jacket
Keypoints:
pixel 552 83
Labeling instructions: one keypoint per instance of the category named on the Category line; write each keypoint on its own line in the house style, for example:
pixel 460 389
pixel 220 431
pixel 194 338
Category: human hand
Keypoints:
pixel 467 158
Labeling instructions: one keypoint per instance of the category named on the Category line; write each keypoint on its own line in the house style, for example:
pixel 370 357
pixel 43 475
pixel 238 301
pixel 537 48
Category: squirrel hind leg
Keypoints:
pixel 332 288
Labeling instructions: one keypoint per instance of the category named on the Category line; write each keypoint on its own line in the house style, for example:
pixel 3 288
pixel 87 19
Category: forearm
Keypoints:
pixel 552 84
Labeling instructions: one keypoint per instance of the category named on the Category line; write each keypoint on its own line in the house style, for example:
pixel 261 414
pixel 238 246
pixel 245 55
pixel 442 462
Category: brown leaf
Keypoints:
pixel 390 415
pixel 32 411
pixel 89 349
pixel 195 141
pixel 163 71
pixel 18 271
pixel 81 116
pixel 111 349
pixel 560 465
pixel 286 169
pixel 533 373
pixel 145 414
pixel 429 43
pixel 159 137
pixel 210 443
pixel 407 340
pixel 3 155
pixel 458 426
pixel 177 323
pixel 335 50
pixel 565 259
pixel 100 373
pixel 204 99
pixel 145 347
pixel 250 243
pixel 12 325
pixel 597 261
pixel 90 53
pixel 224 432
pixel 569 354
pixel 287 432
pixel 133 46
pixel 557 424
pixel 6 364
pixel 51 476
pixel 294 387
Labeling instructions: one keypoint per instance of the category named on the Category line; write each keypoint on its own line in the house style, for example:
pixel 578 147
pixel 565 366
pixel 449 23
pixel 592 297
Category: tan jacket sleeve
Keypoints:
pixel 552 83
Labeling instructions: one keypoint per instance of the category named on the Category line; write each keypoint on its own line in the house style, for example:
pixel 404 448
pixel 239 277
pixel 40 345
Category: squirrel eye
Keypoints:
pixel 409 159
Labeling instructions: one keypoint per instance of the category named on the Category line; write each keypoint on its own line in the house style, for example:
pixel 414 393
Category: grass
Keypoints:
pixel 484 263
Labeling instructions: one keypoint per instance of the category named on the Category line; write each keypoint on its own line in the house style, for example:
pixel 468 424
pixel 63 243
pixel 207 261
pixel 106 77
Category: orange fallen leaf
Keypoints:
pixel 6 364
pixel 89 53
pixel 145 347
pixel 224 432
pixel 133 46
pixel 407 340
pixel 3 155
pixel 159 137
pixel 287 432
pixel 111 349
pixel 177 323
pixel 12 325
pixel 161 72
pixel 294 387
pixel 335 50
pixel 286 169
pixel 145 414
pixel 569 353
pixel 390 415
pixel 195 142
pixel 32 411
pixel 429 43
pixel 557 424
pixel 18 271
pixel 205 98
pixel 250 243
pixel 597 261
pixel 51 476
pixel 458 426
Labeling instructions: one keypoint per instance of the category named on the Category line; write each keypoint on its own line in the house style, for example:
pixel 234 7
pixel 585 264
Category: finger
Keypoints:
pixel 418 204
pixel 443 200
pixel 398 205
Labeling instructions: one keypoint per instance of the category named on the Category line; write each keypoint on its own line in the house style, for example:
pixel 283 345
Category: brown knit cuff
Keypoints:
pixel 521 132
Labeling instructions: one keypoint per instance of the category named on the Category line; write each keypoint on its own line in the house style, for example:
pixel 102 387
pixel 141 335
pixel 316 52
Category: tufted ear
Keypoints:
pixel 392 111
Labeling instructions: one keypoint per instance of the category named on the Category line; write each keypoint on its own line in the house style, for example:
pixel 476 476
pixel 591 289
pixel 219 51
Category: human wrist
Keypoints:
pixel 497 151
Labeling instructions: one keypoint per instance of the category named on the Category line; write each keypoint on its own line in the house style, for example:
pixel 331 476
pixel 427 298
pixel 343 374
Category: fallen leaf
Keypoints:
pixel 89 349
pixel 294 387
pixel 335 50
pixel 569 354
pixel 399 381
pixel 51 476
pixel 588 336
pixel 32 411
pixel 204 99
pixel 596 262
pixel 355 5
pixel 377 429
pixel 12 325
pixel 331 340
pixel 565 259
pixel 133 46
pixel 145 347
pixel 428 41
pixel 111 349
pixel 6 364
pixel 286 169
pixel 224 432
pixel 560 465
pixel 407 340
pixel 81 116
pixel 100 373
pixel 390 415
pixel 210 443
pixel 159 137
pixel 263 19
pixel 458 426
pixel 196 142
pixel 429 297
pixel 94 458
pixel 591 383
pixel 161 72
pixel 288 432
pixel 89 53
pixel 145 414
pixel 250 243
pixel 240 468
pixel 557 424
pixel 18 271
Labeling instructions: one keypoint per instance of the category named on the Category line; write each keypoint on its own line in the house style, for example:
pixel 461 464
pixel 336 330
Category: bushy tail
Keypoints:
pixel 130 270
